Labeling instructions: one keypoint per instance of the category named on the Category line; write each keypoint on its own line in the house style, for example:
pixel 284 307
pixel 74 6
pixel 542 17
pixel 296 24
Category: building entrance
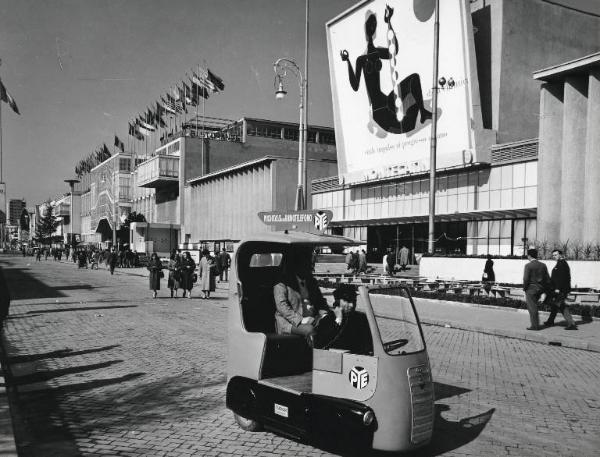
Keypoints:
pixel 450 238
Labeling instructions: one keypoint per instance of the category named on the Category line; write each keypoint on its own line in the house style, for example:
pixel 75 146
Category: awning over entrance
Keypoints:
pixel 105 229
pixel 524 213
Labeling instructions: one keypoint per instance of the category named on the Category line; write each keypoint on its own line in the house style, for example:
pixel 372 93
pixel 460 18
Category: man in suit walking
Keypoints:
pixel 536 282
pixel 561 286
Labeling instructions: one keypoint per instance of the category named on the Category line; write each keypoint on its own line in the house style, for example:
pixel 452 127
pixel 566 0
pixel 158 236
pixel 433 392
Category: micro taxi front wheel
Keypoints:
pixel 247 424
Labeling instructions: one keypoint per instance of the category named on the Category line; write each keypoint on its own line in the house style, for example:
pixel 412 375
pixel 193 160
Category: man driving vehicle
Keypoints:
pixel 344 327
pixel 298 299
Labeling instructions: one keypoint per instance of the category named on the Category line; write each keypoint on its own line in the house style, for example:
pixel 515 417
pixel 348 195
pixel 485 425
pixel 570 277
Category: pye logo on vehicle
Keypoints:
pixel 281 410
pixel 359 377
pixel 321 220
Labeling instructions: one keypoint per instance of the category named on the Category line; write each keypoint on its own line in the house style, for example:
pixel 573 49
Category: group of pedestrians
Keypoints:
pixel 182 272
pixel 93 258
pixel 356 261
pixel 541 287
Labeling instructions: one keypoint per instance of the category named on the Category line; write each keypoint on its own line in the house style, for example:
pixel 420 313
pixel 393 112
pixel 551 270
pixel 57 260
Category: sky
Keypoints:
pixel 79 70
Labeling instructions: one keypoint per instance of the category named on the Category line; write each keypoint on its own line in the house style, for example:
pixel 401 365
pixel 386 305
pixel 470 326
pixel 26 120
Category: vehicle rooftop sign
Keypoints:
pixel 312 221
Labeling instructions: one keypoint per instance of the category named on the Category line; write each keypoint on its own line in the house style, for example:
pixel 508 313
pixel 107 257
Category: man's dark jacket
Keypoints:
pixel 561 277
pixel 353 334
pixel 535 277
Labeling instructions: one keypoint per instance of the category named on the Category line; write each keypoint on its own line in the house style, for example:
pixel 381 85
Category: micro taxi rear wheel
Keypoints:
pixel 247 424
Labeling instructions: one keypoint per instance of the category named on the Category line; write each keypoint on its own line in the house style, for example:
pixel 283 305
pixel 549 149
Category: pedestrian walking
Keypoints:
pixel 362 262
pixel 188 266
pixel 155 268
pixel 488 277
pixel 561 286
pixel 536 282
pixel 174 273
pixel 95 260
pixel 391 262
pixel 204 273
pixel 224 262
pixel 38 255
pixel 82 260
pixel 403 258
pixel 349 260
pixel 111 260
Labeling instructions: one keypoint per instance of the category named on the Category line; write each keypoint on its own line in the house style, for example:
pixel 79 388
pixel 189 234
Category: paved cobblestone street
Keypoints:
pixel 97 367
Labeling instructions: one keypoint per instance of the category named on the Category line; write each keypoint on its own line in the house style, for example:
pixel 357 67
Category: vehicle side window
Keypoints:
pixel 265 259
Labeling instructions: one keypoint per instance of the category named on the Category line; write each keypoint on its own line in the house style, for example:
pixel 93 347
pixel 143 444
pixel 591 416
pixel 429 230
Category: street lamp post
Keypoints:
pixel 433 145
pixel 281 67
pixel 71 182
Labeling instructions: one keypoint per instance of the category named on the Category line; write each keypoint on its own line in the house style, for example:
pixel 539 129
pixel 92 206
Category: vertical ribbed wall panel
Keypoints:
pixel 549 161
pixel 573 158
pixel 591 220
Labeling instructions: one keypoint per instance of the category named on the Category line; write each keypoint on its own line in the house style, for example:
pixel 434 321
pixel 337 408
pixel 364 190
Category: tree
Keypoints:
pixel 47 225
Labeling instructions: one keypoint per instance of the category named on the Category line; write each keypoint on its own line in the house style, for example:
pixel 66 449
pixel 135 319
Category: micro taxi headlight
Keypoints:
pixel 368 418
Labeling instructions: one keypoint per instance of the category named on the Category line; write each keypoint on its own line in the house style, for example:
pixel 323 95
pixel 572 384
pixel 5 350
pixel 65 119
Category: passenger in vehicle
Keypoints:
pixel 344 327
pixel 298 299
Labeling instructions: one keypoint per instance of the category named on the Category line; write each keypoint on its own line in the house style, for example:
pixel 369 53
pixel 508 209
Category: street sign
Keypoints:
pixel 312 221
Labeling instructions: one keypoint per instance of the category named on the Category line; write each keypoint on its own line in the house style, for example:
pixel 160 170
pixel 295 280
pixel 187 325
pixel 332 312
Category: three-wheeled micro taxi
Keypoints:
pixel 381 400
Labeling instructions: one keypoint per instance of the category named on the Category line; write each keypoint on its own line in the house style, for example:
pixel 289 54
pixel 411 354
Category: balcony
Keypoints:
pixel 159 171
pixel 62 209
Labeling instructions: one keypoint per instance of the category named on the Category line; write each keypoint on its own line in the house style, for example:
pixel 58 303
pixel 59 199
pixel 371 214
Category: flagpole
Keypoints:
pixel 197 95
pixel 203 114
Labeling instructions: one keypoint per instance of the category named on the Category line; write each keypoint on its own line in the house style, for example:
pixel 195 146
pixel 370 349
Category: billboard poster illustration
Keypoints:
pixel 381 69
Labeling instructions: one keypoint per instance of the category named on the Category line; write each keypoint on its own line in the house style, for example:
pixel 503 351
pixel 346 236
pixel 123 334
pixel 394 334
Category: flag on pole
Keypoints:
pixel 134 132
pixel 198 91
pixel 174 104
pixel 7 98
pixel 208 80
pixel 141 129
pixel 143 123
pixel 167 105
pixel 188 95
pixel 119 144
pixel 181 98
pixel 218 82
pixel 158 114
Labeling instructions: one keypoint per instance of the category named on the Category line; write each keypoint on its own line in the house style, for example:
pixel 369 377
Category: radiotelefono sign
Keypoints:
pixel 314 221
pixel 381 69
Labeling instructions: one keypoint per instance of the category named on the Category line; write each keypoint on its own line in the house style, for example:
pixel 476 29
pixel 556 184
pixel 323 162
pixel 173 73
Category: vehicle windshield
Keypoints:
pixel 396 320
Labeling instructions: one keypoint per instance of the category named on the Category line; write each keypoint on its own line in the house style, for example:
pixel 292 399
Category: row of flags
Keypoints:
pixel 7 98
pixel 188 93
pixel 94 159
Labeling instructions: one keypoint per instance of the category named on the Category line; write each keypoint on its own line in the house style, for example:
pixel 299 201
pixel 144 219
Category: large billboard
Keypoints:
pixel 381 69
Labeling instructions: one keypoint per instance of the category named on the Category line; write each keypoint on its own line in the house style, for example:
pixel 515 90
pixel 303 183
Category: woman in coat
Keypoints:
pixel 204 272
pixel 174 273
pixel 488 276
pixel 188 266
pixel 155 268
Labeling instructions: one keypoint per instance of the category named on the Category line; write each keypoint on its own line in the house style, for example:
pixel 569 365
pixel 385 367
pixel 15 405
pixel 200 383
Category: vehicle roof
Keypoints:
pixel 293 237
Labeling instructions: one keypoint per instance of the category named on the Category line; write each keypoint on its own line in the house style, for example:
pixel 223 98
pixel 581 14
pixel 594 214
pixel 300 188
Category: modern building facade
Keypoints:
pixel 569 159
pixel 106 199
pixel 210 187
pixel 15 208
pixel 491 206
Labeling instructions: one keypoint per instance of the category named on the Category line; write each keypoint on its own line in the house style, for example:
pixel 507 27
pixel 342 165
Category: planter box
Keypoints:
pixel 583 273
